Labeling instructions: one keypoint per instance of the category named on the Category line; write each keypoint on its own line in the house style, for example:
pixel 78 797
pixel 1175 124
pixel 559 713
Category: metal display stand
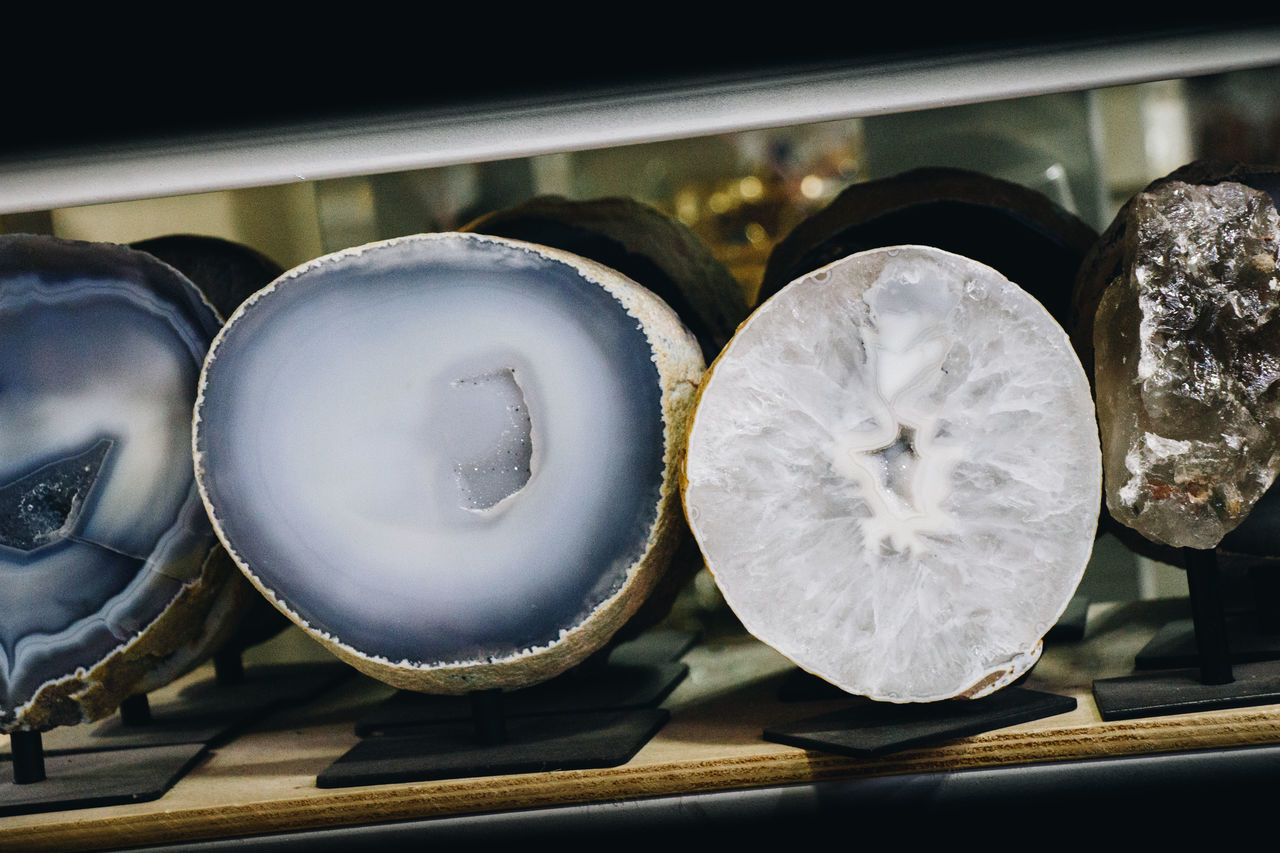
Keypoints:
pixel 1214 683
pixel 598 715
pixel 139 753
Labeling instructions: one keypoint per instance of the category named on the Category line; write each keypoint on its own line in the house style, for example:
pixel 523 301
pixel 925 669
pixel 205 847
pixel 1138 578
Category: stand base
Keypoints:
pixel 205 712
pixel 881 728
pixel 1181 691
pixel 534 744
pixel 102 778
pixel 1174 645
pixel 638 674
pixel 613 688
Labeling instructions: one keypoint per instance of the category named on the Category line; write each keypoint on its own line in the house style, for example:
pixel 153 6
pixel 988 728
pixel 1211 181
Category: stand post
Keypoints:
pixel 1265 580
pixel 228 667
pixel 28 757
pixel 135 710
pixel 486 711
pixel 1208 616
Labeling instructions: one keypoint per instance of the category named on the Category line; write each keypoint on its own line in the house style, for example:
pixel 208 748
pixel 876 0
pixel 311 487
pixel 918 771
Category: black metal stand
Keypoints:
pixel 637 674
pixel 1209 617
pixel 136 711
pixel 228 667
pixel 28 758
pixel 83 780
pixel 599 717
pixel 486 709
pixel 138 754
pixel 491 744
pixel 1252 623
pixel 89 779
pixel 1215 682
pixel 880 728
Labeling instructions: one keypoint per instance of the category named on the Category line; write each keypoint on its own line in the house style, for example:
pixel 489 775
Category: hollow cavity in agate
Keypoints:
pixel 101 526
pixel 894 474
pixel 446 453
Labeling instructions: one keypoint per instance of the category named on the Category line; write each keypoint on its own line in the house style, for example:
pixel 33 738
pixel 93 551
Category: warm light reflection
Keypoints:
pixel 750 188
pixel 811 186
pixel 687 207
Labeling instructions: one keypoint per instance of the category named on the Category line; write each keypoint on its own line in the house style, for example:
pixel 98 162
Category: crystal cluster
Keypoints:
pixel 1187 358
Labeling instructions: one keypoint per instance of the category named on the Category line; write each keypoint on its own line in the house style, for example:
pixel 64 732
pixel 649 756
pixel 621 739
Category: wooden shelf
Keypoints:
pixel 264 781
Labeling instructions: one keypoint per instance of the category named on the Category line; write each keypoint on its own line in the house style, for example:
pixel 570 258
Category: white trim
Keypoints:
pixel 416 141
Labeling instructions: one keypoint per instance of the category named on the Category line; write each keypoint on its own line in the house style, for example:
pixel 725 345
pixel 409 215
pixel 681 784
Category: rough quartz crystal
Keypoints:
pixel 1187 358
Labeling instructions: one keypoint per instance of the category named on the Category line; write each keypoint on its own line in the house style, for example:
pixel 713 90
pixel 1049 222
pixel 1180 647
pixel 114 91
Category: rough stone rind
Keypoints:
pixel 1009 227
pixel 679 363
pixel 640 242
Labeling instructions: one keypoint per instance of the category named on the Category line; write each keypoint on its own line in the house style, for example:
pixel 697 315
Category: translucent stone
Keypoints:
pixel 447 452
pixel 894 474
pixel 102 533
pixel 1187 355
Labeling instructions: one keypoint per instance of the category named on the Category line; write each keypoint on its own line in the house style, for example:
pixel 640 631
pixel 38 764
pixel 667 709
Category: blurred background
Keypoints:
pixel 741 192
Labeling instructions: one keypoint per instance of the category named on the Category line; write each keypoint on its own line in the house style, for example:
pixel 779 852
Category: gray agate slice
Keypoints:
pixel 107 559
pixel 449 457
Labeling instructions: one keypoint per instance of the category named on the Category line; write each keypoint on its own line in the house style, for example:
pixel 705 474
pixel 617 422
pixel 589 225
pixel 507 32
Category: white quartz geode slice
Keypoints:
pixel 1186 362
pixel 893 472
pixel 111 578
pixel 449 457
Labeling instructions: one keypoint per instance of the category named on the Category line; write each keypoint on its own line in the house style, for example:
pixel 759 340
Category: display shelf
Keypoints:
pixel 262 783
pixel 649 107
pixel 708 766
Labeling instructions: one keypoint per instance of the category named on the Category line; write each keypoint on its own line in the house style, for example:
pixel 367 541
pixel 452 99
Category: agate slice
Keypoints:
pixel 640 242
pixel 1187 358
pixel 449 457
pixel 111 578
pixel 227 273
pixel 894 474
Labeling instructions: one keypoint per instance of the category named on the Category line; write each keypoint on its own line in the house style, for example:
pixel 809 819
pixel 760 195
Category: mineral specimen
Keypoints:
pixel 1187 354
pixel 451 458
pixel 111 578
pixel 893 472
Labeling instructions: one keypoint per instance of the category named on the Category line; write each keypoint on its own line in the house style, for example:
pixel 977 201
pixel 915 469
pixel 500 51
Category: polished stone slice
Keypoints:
pixel 893 471
pixel 109 567
pixel 1187 354
pixel 449 457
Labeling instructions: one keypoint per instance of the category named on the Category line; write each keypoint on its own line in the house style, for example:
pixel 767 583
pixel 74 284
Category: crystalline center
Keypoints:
pixel 892 456
pixel 494 450
pixel 894 466
pixel 42 507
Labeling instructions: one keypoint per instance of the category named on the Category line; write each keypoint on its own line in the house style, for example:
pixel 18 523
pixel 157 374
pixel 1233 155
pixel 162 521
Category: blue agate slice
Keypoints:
pixel 101 526
pixel 437 451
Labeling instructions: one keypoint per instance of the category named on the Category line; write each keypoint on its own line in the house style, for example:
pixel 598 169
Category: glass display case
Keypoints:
pixel 740 155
